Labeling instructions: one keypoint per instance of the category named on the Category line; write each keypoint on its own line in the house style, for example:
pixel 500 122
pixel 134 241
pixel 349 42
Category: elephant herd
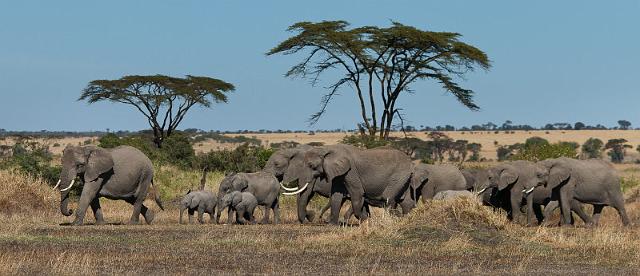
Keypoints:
pixel 381 177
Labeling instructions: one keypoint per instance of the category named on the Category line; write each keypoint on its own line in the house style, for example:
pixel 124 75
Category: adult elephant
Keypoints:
pixel 592 181
pixel 517 179
pixel 263 185
pixel 123 173
pixel 380 176
pixel 478 182
pixel 287 166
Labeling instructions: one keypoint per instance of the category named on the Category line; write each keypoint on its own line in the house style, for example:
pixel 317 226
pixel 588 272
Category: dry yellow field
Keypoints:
pixel 488 139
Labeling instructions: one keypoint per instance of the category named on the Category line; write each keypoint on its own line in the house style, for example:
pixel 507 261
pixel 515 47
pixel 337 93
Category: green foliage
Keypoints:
pixel 284 145
pixel 33 159
pixel 245 158
pixel 402 54
pixel 159 95
pixel 240 139
pixel 178 149
pixel 627 183
pixel 537 151
pixel 617 149
pixel 475 149
pixel 364 141
pixel 592 148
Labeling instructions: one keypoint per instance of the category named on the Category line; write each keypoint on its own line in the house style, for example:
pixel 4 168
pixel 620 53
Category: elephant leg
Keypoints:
pixel 548 210
pixel 265 218
pixel 407 205
pixel 241 212
pixel 230 215
pixel 181 211
pixel 597 210
pixel 97 211
pixel 302 201
pixel 147 214
pixel 515 200
pixel 89 192
pixel 201 214
pixel 137 205
pixel 276 212
pixel 617 202
pixel 537 211
pixel 191 211
pixel 566 196
pixel 249 216
pixel 336 201
pixel 324 209
pixel 577 208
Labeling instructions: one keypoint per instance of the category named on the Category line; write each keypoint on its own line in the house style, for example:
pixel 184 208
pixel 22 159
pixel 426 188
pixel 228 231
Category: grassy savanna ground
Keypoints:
pixel 486 138
pixel 450 237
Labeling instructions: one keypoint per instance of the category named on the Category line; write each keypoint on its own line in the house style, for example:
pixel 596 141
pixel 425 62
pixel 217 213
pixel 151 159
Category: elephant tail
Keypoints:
pixel 157 196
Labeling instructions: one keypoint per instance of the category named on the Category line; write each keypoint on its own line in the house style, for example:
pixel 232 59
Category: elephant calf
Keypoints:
pixel 202 201
pixel 243 203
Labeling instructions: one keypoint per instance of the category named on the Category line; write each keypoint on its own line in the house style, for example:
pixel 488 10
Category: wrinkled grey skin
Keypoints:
pixel 243 204
pixel 427 180
pixel 448 194
pixel 263 185
pixel 478 180
pixel 543 197
pixel 201 201
pixel 288 167
pixel 515 178
pixel 591 181
pixel 380 176
pixel 122 173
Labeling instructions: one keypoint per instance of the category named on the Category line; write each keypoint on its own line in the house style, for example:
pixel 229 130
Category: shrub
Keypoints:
pixel 364 141
pixel 33 159
pixel 285 145
pixel 176 149
pixel 541 151
pixel 592 148
pixel 618 148
pixel 245 158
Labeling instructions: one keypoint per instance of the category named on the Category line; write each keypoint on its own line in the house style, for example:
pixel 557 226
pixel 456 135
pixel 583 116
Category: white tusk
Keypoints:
pixel 67 188
pixel 527 191
pixel 298 191
pixel 288 189
pixel 57 184
pixel 482 191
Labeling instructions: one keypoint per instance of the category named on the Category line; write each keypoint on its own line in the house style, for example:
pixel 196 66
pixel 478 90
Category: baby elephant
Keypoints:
pixel 243 203
pixel 202 201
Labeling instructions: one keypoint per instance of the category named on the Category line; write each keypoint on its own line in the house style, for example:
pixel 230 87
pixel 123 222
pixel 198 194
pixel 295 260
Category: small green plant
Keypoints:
pixel 364 141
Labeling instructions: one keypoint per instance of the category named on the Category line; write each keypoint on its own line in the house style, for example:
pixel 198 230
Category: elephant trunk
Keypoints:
pixel 66 179
pixel 219 208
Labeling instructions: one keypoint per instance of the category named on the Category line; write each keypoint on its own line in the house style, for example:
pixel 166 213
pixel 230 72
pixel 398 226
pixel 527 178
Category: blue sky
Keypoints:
pixel 553 61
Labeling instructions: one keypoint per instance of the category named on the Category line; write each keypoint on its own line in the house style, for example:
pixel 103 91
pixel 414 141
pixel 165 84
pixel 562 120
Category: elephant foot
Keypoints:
pixel 100 222
pixel 311 216
pixel 134 222
pixel 77 222
pixel 149 216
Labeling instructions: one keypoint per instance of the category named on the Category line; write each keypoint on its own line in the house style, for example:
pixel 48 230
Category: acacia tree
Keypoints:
pixel 163 100
pixel 380 64
pixel 618 148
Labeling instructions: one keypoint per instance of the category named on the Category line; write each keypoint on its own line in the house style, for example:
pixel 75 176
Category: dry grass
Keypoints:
pixel 447 237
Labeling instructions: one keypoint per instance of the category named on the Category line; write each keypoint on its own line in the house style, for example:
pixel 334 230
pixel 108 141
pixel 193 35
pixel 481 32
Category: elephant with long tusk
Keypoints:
pixel 123 173
pixel 287 165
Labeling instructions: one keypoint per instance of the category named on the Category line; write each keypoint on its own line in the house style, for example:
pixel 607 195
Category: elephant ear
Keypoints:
pixel 237 198
pixel 507 177
pixel 99 161
pixel 240 183
pixel 419 175
pixel 195 201
pixel 557 175
pixel 335 165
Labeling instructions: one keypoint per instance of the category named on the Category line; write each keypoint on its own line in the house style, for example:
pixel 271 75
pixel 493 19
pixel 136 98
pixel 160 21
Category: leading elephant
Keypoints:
pixel 592 181
pixel 287 166
pixel 378 176
pixel 123 173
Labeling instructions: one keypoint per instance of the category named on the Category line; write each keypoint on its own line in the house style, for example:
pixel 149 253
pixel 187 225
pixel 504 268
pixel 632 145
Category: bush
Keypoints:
pixel 176 149
pixel 539 152
pixel 245 158
pixel 364 141
pixel 33 159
